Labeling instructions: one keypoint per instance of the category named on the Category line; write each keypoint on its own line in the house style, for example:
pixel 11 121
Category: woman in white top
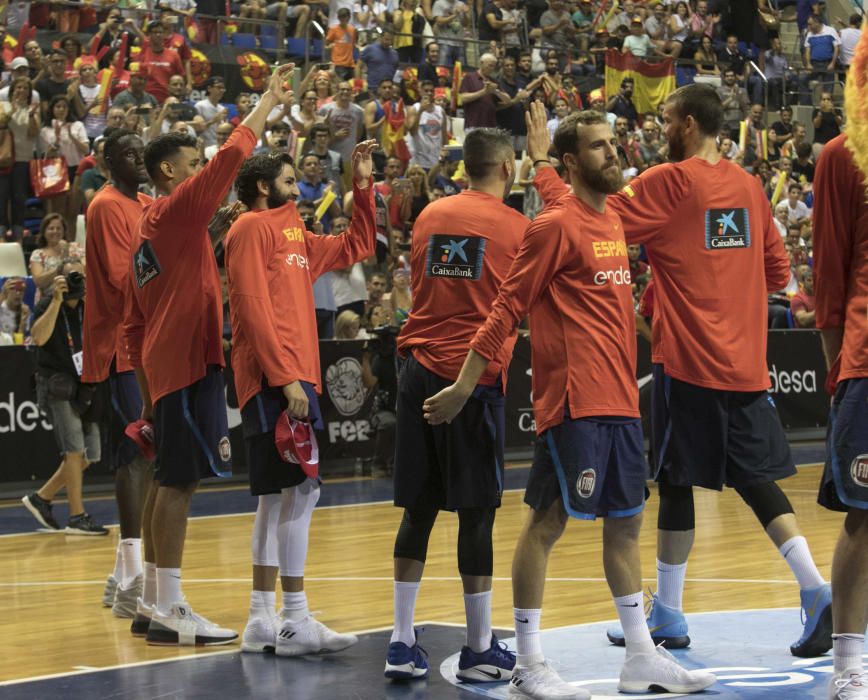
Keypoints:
pixel 87 102
pixel 61 136
pixel 367 17
pixel 678 28
pixel 21 118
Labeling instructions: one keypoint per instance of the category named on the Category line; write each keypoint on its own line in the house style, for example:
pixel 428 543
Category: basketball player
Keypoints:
pixel 840 258
pixel 461 252
pixel 272 261
pixel 716 253
pixel 172 333
pixel 112 218
pixel 569 275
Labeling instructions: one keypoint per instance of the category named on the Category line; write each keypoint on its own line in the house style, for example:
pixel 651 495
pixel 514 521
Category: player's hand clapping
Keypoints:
pixel 363 165
pixel 538 141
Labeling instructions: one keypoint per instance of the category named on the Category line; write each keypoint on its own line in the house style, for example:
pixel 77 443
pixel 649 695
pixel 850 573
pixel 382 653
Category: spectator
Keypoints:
pixel 400 299
pixel 655 25
pixel 552 81
pixel 510 117
pixel 329 160
pixel 347 123
pixel 211 110
pixel 14 313
pixel 87 102
pixel 798 137
pixel 756 136
pixel 426 123
pixel 159 63
pixel 52 248
pixel 313 188
pixel 820 50
pixel 827 120
pixel 561 110
pixel 850 36
pixel 628 146
pixel 341 41
pixel 111 33
pixel 71 47
pixel 798 210
pixel 176 41
pixel 367 19
pixel 650 143
pixel 706 58
pixel 492 21
pixel 731 57
pixel 777 71
pixel 348 284
pixel 64 136
pixel 803 304
pixel 55 82
pixel 21 118
pixel 803 166
pixel 243 107
pixel 57 332
pixel 380 59
pixel 420 196
pixel 621 104
pixel 762 169
pixel 734 99
pixel 442 174
pixel 94 178
pixel 678 28
pixel 33 54
pixel 181 108
pixel 782 217
pixel 638 42
pixel 480 95
pixel 557 30
pixel 376 294
pixel 348 326
pixel 451 19
pixel 18 68
pixel 409 26
pixel 224 131
pixel 702 24
pixel 135 97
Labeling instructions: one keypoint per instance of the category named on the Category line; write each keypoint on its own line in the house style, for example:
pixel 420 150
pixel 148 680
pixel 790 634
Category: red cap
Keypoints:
pixel 141 432
pixel 296 443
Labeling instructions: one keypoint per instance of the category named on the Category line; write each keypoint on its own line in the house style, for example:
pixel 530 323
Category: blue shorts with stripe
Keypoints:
pixel 191 431
pixel 596 466
pixel 845 478
pixel 267 472
pixel 453 465
pixel 126 401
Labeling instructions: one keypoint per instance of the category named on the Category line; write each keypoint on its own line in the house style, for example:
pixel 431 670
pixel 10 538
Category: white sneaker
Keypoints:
pixel 109 591
pixel 183 627
pixel 142 618
pixel 125 599
pixel 643 672
pixel 310 636
pixel 852 684
pixel 260 634
pixel 542 682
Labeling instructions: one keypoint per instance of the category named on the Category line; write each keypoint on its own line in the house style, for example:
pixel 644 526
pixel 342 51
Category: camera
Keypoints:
pixel 75 285
pixel 383 340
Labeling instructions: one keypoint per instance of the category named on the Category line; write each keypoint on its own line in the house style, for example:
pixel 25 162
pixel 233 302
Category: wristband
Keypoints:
pixel 542 160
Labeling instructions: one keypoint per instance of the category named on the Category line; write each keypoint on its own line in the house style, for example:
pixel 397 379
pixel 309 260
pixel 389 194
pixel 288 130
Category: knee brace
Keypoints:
pixel 293 524
pixel 766 500
pixel 263 544
pixel 412 539
pixel 676 508
pixel 475 556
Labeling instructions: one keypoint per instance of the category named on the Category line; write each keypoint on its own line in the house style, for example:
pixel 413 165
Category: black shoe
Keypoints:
pixel 84 525
pixel 41 510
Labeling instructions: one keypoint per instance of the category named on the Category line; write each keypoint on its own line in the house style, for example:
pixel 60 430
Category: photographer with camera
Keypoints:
pixel 69 405
pixel 379 372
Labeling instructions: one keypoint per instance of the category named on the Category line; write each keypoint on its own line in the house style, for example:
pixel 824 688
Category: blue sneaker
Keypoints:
pixel 493 664
pixel 406 663
pixel 817 618
pixel 667 626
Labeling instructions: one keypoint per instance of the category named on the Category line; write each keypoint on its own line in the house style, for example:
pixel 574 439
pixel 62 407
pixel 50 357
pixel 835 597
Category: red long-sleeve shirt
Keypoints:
pixel 111 219
pixel 463 247
pixel 272 262
pixel 841 254
pixel 716 254
pixel 174 318
pixel 573 275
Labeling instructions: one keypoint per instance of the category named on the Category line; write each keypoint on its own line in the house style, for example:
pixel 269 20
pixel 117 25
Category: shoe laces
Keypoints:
pixel 854 685
pixel 501 651
pixel 649 602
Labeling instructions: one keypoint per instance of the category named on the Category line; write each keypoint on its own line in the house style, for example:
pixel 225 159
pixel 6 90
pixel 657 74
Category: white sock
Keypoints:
pixel 847 650
pixel 168 589
pixel 131 551
pixel 527 636
pixel 118 572
pixel 405 593
pixel 149 591
pixel 477 608
pixel 262 603
pixel 798 555
pixel 294 606
pixel 631 612
pixel 670 583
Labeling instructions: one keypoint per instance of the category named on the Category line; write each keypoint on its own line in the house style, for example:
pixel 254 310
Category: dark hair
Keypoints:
pixel 344 12
pixel 214 80
pixel 164 147
pixel 804 149
pixel 786 108
pixel 485 149
pixel 816 18
pixel 57 99
pixel 319 129
pixel 113 143
pixel 46 220
pixel 264 166
pixel 700 102
pixel 794 186
pixel 57 51
pixel 306 156
pixel 566 138
pixel 855 19
pixel 305 204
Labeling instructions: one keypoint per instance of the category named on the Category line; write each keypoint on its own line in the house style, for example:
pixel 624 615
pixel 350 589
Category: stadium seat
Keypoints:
pixel 244 41
pixel 12 260
pixel 224 40
pixel 684 75
pixel 295 47
pixel 267 30
pixel 267 42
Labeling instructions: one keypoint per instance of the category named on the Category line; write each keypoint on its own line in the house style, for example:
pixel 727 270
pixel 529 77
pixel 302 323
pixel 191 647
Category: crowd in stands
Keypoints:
pixel 53 103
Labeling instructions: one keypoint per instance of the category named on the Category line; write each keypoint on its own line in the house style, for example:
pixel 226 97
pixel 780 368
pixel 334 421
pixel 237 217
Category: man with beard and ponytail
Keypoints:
pixel 462 250
pixel 272 261
pixel 571 275
pixel 112 218
pixel 716 254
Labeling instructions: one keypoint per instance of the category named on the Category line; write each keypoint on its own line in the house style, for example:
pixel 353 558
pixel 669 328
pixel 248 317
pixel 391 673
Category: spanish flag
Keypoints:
pixel 653 81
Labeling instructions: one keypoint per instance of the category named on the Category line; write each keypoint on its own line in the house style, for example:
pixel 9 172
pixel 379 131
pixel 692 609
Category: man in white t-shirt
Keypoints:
pixel 849 38
pixel 211 110
pixel 425 122
pixel 798 210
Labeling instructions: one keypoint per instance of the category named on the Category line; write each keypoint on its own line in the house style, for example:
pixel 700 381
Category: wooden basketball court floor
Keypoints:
pixel 51 584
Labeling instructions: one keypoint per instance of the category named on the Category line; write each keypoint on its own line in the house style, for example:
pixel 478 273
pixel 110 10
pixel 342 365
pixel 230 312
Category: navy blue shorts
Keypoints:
pixel 126 400
pixel 267 472
pixel 845 478
pixel 596 466
pixel 453 465
pixel 711 438
pixel 192 432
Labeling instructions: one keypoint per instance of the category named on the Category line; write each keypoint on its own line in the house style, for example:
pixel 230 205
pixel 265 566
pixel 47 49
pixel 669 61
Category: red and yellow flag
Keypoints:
pixel 653 82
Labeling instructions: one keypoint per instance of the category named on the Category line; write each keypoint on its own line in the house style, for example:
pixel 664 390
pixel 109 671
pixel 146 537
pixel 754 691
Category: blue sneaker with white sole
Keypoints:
pixel 666 625
pixel 816 638
pixel 406 663
pixel 494 664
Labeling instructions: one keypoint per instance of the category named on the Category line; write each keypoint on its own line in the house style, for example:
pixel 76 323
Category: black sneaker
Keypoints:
pixel 84 525
pixel 41 510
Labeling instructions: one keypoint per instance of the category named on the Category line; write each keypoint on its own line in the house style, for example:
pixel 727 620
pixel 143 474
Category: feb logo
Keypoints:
pixel 859 470
pixel 344 384
pixel 200 67
pixel 586 482
pixel 254 70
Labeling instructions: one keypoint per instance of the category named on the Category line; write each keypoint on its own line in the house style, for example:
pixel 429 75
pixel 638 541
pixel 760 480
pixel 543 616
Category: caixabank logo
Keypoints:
pixel 726 229
pixel 455 256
